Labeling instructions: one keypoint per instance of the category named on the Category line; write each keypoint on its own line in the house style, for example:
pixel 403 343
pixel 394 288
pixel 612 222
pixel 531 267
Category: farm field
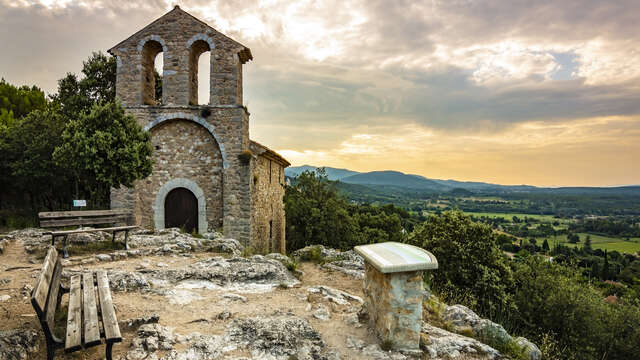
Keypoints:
pixel 509 216
pixel 597 242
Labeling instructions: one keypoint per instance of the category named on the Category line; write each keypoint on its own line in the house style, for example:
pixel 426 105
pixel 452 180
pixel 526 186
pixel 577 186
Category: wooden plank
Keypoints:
pixel 67 214
pixel 117 228
pixel 73 340
pixel 91 324
pixel 84 221
pixel 41 290
pixel 109 320
pixel 52 300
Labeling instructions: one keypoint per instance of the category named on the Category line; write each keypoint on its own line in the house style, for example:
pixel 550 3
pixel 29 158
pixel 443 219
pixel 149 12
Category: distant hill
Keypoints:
pixel 332 173
pixel 394 178
pixel 393 181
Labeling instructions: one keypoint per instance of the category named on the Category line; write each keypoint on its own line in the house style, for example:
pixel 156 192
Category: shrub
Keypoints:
pixel 472 268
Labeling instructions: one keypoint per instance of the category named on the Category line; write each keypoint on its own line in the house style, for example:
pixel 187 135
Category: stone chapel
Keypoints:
pixel 207 173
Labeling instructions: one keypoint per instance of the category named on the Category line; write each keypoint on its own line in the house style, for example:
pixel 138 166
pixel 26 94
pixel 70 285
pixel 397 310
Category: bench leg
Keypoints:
pixel 51 350
pixel 53 240
pixel 64 249
pixel 109 347
pixel 126 238
pixel 113 238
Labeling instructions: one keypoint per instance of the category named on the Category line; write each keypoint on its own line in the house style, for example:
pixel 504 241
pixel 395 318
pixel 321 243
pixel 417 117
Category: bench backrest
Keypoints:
pixel 91 217
pixel 45 296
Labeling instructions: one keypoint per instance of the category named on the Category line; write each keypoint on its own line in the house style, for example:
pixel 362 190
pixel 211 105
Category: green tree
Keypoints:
pixel 105 148
pixel 587 243
pixel 28 150
pixel 555 299
pixel 317 214
pixel 472 268
pixel 545 245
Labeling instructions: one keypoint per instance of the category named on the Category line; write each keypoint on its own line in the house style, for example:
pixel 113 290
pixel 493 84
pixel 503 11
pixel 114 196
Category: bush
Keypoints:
pixel 472 269
pixel 557 300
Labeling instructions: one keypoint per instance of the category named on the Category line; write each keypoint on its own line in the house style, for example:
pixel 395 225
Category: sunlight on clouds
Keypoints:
pixel 574 152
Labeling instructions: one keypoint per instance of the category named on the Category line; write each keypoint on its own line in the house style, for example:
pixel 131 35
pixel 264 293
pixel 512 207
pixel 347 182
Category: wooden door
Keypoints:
pixel 181 210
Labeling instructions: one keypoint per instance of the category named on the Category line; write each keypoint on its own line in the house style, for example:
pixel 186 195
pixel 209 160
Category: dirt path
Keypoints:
pixel 199 315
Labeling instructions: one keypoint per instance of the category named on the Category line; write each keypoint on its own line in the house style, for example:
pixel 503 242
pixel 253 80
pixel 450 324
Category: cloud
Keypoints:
pixel 328 71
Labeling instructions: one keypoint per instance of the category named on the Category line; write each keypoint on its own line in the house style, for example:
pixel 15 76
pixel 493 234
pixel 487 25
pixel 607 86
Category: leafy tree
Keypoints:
pixel 553 298
pixel 105 148
pixel 30 167
pixel 587 243
pixel 316 213
pixel 19 101
pixel 545 245
pixel 472 268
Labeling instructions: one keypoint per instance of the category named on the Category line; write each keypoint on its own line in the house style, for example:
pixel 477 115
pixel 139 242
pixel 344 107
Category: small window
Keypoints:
pixel 270 229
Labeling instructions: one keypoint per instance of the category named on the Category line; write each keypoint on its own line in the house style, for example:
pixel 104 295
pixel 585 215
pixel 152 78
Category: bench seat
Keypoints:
pixel 90 217
pixel 90 305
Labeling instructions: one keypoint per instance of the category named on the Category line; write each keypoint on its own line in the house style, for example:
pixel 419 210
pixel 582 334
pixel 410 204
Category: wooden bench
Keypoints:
pixel 90 317
pixel 58 219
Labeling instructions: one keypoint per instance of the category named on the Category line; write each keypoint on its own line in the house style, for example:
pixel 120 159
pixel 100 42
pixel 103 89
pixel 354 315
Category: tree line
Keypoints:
pixel 554 303
pixel 77 143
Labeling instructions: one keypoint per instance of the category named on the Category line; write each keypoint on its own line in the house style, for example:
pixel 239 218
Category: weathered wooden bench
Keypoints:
pixel 58 219
pixel 90 316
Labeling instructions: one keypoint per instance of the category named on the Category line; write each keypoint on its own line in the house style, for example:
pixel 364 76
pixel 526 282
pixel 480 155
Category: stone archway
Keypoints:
pixel 159 208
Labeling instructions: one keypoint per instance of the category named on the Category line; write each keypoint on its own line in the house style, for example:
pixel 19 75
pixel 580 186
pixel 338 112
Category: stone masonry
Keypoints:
pixel 393 302
pixel 205 149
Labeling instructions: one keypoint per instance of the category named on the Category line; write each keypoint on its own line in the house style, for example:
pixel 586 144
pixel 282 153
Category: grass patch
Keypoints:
pixel 386 345
pixel 248 251
pixel 314 255
pixel 601 242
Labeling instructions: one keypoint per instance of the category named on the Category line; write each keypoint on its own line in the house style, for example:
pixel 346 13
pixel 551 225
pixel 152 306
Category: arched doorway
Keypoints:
pixel 181 210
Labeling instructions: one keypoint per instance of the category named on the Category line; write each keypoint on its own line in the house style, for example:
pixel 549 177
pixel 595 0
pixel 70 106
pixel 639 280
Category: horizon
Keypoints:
pixel 463 180
pixel 544 94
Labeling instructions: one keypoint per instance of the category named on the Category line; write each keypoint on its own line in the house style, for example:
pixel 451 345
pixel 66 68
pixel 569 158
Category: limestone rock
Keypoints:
pixel 127 281
pixel 460 315
pixel 103 257
pixel 17 344
pixel 321 312
pixel 334 295
pixel 440 343
pixel 234 297
pixel 532 351
pixel 278 336
pixel 133 323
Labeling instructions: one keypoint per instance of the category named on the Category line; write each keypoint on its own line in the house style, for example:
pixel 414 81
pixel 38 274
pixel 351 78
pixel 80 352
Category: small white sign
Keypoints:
pixel 79 203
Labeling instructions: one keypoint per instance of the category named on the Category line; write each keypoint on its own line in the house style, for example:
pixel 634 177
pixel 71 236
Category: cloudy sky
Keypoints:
pixel 513 91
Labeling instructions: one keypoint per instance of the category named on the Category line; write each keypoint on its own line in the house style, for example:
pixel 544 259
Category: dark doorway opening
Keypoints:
pixel 181 210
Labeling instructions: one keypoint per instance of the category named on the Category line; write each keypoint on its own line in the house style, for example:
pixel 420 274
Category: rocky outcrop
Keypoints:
pixel 255 274
pixel 464 319
pixel 439 343
pixel 18 344
pixel 334 295
pixel 277 337
pixel 346 262
pixel 372 351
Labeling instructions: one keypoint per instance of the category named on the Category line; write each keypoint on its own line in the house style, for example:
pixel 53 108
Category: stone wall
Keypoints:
pixel 268 218
pixel 181 38
pixel 226 129
pixel 394 305
pixel 195 145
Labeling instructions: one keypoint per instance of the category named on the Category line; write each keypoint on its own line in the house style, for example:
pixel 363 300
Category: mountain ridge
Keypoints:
pixel 418 182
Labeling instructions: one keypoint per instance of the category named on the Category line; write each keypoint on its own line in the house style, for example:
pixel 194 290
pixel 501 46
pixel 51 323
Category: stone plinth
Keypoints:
pixel 393 291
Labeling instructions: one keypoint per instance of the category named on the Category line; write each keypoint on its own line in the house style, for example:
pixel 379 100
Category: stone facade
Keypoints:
pixel 198 147
pixel 267 191
pixel 393 302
